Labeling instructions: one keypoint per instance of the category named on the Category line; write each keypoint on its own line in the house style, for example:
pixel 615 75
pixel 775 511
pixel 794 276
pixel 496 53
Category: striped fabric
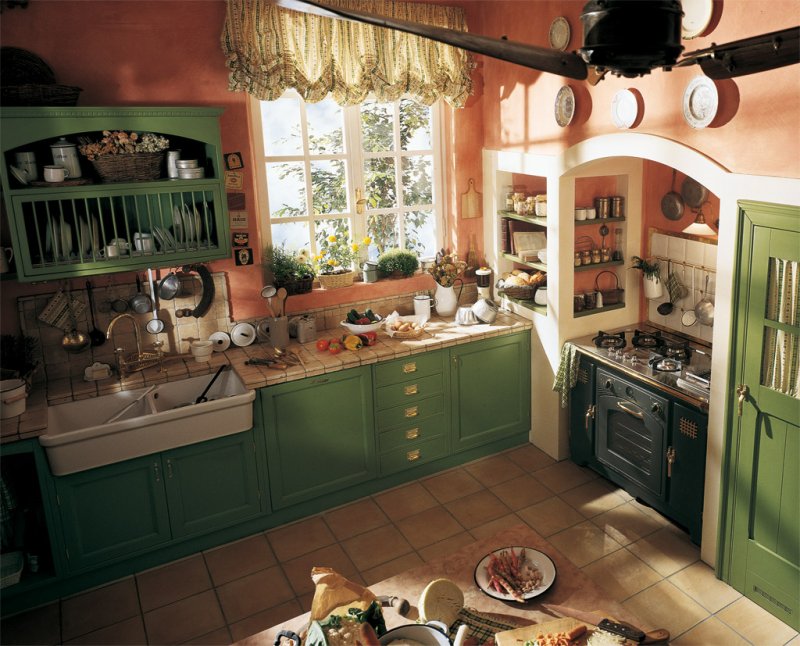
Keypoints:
pixel 781 360
pixel 269 50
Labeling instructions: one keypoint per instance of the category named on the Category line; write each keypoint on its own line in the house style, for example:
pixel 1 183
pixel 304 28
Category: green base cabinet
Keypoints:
pixel 320 436
pixel 490 390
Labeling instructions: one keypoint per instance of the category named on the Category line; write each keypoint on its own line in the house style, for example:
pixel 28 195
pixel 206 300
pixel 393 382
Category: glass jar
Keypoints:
pixel 617 244
pixel 578 302
pixel 578 262
pixel 605 254
pixel 589 300
pixel 509 192
pixel 596 257
pixel 586 257
pixel 540 202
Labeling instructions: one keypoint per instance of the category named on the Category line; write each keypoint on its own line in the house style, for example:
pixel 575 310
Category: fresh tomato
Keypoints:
pixel 322 344
pixel 363 321
pixel 335 347
pixel 372 337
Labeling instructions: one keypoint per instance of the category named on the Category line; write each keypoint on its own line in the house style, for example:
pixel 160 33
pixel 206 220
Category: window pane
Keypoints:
pixel 292 235
pixel 286 183
pixel 415 125
pixel 384 231
pixel 420 227
pixel 328 187
pixel 417 180
pixel 780 369
pixel 379 183
pixel 324 121
pixel 281 125
pixel 377 126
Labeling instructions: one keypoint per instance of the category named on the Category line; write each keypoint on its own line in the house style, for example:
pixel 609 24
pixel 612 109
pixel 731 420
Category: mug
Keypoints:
pixel 55 173
pixel 116 247
pixel 277 331
pixel 6 257
pixel 143 241
pixel 422 306
pixel 26 162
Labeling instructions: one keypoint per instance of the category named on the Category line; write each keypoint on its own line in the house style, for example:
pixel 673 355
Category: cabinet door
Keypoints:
pixel 113 512
pixel 582 413
pixel 686 474
pixel 320 435
pixel 211 485
pixel 491 390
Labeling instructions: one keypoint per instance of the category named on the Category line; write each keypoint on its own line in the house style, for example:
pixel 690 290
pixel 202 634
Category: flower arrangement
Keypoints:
pixel 119 142
pixel 337 254
pixel 649 267
pixel 446 269
pixel 287 266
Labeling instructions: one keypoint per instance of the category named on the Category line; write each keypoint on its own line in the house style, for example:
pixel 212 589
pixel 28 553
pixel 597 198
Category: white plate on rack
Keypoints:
pixel 700 102
pixel 696 17
pixel 52 240
pixel 624 109
pixel 177 224
pixel 559 33
pixel 533 557
pixel 565 106
pixel 188 226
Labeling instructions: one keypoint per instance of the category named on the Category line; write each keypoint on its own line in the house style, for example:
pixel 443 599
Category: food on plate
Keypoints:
pixel 562 638
pixel 366 318
pixel 322 344
pixel 511 573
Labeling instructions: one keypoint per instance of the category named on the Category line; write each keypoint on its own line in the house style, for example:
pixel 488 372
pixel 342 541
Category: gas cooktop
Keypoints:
pixel 667 360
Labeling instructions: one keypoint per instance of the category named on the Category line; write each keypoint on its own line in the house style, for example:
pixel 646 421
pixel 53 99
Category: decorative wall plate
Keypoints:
pixel 696 17
pixel 565 106
pixel 559 33
pixel 700 102
pixel 624 109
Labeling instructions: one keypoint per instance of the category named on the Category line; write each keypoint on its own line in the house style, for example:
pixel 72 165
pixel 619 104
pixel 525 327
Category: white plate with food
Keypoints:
pixel 700 102
pixel 565 106
pixel 515 573
pixel 624 109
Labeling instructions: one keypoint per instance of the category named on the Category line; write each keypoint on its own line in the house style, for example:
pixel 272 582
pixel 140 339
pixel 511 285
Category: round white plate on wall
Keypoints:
pixel 696 17
pixel 624 109
pixel 559 33
pixel 700 102
pixel 565 106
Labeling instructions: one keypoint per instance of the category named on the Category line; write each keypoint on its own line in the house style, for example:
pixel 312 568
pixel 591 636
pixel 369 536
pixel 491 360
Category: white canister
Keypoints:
pixel 66 154
pixel 172 157
pixel 580 213
pixel 13 393
pixel 422 306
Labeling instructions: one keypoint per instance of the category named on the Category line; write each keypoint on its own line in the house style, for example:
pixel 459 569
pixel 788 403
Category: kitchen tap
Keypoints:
pixel 138 360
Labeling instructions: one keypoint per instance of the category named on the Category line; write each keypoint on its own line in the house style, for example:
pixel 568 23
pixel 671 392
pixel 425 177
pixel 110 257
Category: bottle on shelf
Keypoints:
pixel 617 255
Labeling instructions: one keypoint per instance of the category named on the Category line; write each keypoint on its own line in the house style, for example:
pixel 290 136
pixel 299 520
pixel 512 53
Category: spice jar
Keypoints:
pixel 591 213
pixel 586 257
pixel 580 213
pixel 540 202
pixel 578 262
pixel 605 254
pixel 578 303
pixel 596 256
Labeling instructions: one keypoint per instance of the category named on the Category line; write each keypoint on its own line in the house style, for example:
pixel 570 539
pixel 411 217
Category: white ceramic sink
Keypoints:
pixel 79 435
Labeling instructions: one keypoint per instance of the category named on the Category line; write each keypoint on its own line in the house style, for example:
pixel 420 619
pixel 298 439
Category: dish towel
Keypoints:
pixel 567 375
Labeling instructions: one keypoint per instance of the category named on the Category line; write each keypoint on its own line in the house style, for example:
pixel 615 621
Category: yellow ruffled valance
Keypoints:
pixel 269 50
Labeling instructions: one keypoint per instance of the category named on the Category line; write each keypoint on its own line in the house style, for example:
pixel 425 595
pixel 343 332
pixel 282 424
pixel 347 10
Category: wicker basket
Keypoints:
pixel 131 167
pixel 522 292
pixel 300 286
pixel 613 295
pixel 39 94
pixel 332 281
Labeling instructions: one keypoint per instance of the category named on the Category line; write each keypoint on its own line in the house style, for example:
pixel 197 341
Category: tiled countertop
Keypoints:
pixel 439 333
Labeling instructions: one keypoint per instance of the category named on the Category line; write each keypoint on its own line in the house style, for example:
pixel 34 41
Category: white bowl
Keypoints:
pixel 202 350
pixel 360 329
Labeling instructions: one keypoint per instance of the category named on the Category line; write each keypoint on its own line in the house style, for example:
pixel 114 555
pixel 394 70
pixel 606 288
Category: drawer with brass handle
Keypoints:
pixel 410 412
pixel 408 392
pixel 411 433
pixel 408 369
pixel 410 457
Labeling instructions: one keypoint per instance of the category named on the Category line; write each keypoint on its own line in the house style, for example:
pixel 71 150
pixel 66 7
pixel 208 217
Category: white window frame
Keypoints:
pixel 353 157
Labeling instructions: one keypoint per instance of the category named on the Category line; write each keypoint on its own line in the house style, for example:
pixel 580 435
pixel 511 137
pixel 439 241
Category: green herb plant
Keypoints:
pixel 285 265
pixel 649 267
pixel 400 260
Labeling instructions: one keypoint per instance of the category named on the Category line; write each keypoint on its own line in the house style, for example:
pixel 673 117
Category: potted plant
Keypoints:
pixel 290 270
pixel 335 260
pixel 651 275
pixel 398 262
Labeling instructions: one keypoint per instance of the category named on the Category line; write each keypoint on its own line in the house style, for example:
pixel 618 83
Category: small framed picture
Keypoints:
pixel 233 161
pixel 243 256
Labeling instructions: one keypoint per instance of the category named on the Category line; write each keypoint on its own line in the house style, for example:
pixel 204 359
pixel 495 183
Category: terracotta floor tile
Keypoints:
pixel 176 580
pixel 98 608
pixel 626 523
pixel 429 526
pixel 520 492
pixel 355 518
pixel 38 626
pixel 218 637
pixel 666 551
pixel 701 584
pixel 184 620
pixel 290 541
pixel 494 470
pixel 710 631
pixel 235 560
pixel 550 516
pixel 254 593
pixel 298 570
pixel 362 548
pixel 584 543
pixel 755 624
pixel 493 526
pixel 477 509
pixel 530 458
pixel 265 619
pixel 664 606
pixel 446 547
pixel 451 485
pixel 564 475
pixel 405 501
pixel 621 574
pixel 390 568
pixel 130 631
pixel 593 498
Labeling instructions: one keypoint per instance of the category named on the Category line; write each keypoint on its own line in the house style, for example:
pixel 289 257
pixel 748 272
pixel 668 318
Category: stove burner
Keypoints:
pixel 665 364
pixel 679 351
pixel 605 340
pixel 647 339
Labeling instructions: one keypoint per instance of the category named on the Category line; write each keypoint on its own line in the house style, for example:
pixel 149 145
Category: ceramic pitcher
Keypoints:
pixel 446 298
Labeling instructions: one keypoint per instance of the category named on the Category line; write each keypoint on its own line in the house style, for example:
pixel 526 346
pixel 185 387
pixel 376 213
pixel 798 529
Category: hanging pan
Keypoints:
pixel 169 286
pixel 141 302
pixel 694 194
pixel 672 203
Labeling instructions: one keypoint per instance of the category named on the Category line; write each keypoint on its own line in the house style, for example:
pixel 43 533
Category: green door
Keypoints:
pixel 113 512
pixel 320 435
pixel 491 390
pixel 762 542
pixel 211 485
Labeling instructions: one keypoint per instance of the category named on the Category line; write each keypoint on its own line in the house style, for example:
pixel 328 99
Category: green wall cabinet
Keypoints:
pixel 320 435
pixel 123 509
pixel 490 390
pixel 61 229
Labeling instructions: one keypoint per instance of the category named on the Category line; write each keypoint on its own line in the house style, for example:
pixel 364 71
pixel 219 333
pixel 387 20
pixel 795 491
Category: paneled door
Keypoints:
pixel 761 538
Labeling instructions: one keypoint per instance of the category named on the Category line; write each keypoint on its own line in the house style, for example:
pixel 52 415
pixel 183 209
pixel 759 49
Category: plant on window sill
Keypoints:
pixel 400 262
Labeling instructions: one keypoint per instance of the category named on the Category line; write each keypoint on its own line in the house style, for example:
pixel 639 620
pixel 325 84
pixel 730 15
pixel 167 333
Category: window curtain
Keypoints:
pixel 781 364
pixel 269 49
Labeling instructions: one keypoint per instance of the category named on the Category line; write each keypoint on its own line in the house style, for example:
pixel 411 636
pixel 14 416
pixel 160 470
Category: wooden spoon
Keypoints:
pixel 281 296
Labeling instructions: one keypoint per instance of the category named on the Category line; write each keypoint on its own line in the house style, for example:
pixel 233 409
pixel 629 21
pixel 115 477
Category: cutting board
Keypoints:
pixel 470 202
pixel 519 636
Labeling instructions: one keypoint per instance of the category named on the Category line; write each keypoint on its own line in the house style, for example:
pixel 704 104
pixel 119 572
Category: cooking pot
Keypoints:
pixel 434 633
pixel 13 393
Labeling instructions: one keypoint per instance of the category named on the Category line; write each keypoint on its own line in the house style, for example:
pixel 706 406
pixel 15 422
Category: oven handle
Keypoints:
pixel 635 413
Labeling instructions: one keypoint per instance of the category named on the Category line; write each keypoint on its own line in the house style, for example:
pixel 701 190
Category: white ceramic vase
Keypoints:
pixel 653 287
pixel 446 299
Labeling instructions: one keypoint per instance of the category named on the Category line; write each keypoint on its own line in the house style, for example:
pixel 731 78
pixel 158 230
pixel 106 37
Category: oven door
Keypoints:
pixel 631 431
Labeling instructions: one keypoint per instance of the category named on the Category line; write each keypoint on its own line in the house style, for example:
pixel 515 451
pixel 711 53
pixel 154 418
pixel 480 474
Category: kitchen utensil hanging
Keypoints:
pixel 74 341
pixel 704 309
pixel 141 303
pixel 154 325
pixel 694 194
pixel 207 288
pixel 96 336
pixel 470 202
pixel 169 286
pixel 689 318
pixel 672 203
pixel 57 311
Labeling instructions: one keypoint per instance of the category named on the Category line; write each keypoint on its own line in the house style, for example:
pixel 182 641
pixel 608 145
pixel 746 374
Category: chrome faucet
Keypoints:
pixel 138 361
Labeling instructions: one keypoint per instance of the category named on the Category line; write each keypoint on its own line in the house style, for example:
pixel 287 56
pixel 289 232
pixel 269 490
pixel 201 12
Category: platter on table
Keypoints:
pixel 565 106
pixel 624 109
pixel 700 102
pixel 537 572
pixel 559 33
pixel 696 17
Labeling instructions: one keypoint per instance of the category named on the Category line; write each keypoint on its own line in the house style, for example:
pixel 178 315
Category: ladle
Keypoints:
pixel 95 336
pixel 704 310
pixel 666 308
pixel 689 318
pixel 154 325
pixel 74 341
pixel 267 292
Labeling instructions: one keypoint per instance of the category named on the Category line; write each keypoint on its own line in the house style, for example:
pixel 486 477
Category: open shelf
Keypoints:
pixel 533 265
pixel 529 305
pixel 581 223
pixel 599 265
pixel 599 310
pixel 530 219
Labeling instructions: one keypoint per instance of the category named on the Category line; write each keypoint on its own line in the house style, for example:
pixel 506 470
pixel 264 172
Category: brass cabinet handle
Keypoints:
pixel 635 413
pixel 411 456
pixel 411 390
pixel 589 415
pixel 742 390
pixel 413 411
pixel 410 367
pixel 412 433
pixel 670 460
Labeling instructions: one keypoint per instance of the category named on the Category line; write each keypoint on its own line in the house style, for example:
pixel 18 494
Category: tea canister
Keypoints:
pixel 579 303
pixel 602 207
pixel 578 262
pixel 605 254
pixel 617 206
pixel 586 257
pixel 580 213
pixel 591 213
pixel 590 300
pixel 66 154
